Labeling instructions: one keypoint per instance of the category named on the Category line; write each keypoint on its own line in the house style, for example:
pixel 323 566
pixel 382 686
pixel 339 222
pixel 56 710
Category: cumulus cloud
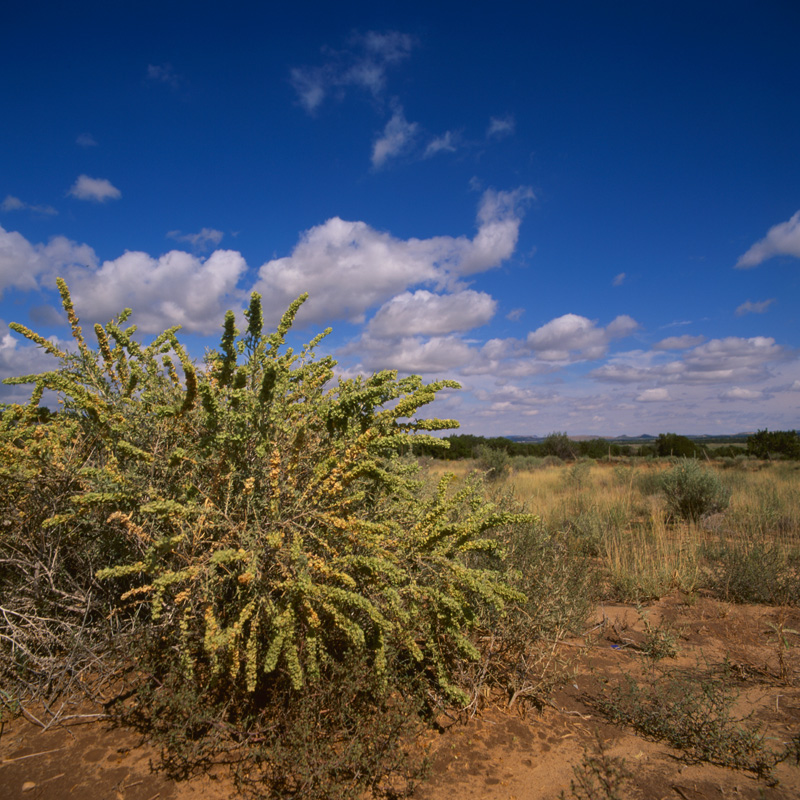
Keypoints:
pixel 679 342
pixel 653 396
pixel 515 314
pixel 26 266
pixel 86 140
pixel 781 239
pixel 737 393
pixel 20 357
pixel 201 240
pixel 619 279
pixel 363 65
pixel 12 203
pixel 414 354
pixel 575 338
pixel 500 127
pixel 754 308
pixel 729 360
pixel 397 138
pixel 427 314
pixel 442 144
pixel 349 267
pixel 175 289
pixel 96 189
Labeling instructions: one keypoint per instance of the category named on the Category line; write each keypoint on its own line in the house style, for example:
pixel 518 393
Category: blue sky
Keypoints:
pixel 586 213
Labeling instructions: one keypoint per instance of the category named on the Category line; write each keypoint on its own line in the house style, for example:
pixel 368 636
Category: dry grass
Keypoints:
pixel 616 514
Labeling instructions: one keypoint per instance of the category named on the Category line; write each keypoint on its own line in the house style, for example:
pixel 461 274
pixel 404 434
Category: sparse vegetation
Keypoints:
pixel 257 539
pixel 694 715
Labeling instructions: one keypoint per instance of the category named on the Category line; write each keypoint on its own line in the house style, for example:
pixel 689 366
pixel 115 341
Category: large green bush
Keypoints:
pixel 249 522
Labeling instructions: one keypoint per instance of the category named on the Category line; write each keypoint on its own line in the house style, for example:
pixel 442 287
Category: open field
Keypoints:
pixel 661 658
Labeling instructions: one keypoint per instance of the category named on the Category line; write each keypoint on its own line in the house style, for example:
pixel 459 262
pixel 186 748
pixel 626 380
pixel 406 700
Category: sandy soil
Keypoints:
pixel 501 753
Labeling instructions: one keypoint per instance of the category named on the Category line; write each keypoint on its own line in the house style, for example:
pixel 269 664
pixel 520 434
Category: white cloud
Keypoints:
pixel 97 189
pixel 174 289
pixel 12 203
pixel 27 267
pixel 397 138
pixel 442 144
pixel 86 140
pixel 20 357
pixel 363 66
pixel 728 360
pixel 415 354
pixel 653 396
pixel 619 279
pixel 427 314
pixel 737 393
pixel 781 239
pixel 500 127
pixel 515 314
pixel 754 308
pixel 575 338
pixel 349 267
pixel 200 241
pixel 679 342
pixel 163 73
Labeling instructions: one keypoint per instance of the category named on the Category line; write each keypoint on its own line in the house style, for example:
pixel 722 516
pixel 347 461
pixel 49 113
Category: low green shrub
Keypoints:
pixel 745 572
pixel 693 491
pixel 694 715
pixel 494 463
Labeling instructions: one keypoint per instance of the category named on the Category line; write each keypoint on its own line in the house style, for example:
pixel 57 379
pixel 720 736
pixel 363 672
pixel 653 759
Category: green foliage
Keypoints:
pixel 600 776
pixel 251 520
pixel 671 444
pixel 692 491
pixel 766 444
pixel 495 463
pixel 560 446
pixel 751 573
pixel 693 715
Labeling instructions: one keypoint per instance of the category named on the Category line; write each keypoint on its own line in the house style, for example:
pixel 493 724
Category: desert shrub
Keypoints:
pixel 647 481
pixel 694 715
pixel 578 474
pixel 693 491
pixel 254 524
pixel 495 463
pixel 526 463
pixel 756 572
pixel 520 658
pixel 600 776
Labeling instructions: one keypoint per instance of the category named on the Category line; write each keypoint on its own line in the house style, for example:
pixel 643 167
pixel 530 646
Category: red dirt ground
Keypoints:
pixel 500 754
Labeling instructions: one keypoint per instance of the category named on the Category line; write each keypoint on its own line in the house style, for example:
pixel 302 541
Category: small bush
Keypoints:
pixel 495 463
pixel 693 715
pixel 751 573
pixel 692 491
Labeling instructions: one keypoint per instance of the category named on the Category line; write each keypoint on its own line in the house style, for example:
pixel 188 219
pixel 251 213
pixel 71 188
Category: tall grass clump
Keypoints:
pixel 251 528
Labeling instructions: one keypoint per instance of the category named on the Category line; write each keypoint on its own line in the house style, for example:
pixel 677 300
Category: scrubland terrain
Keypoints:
pixel 662 659
pixel 238 579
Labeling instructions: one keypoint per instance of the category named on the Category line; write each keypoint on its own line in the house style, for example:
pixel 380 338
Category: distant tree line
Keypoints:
pixel 764 444
pixel 772 444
